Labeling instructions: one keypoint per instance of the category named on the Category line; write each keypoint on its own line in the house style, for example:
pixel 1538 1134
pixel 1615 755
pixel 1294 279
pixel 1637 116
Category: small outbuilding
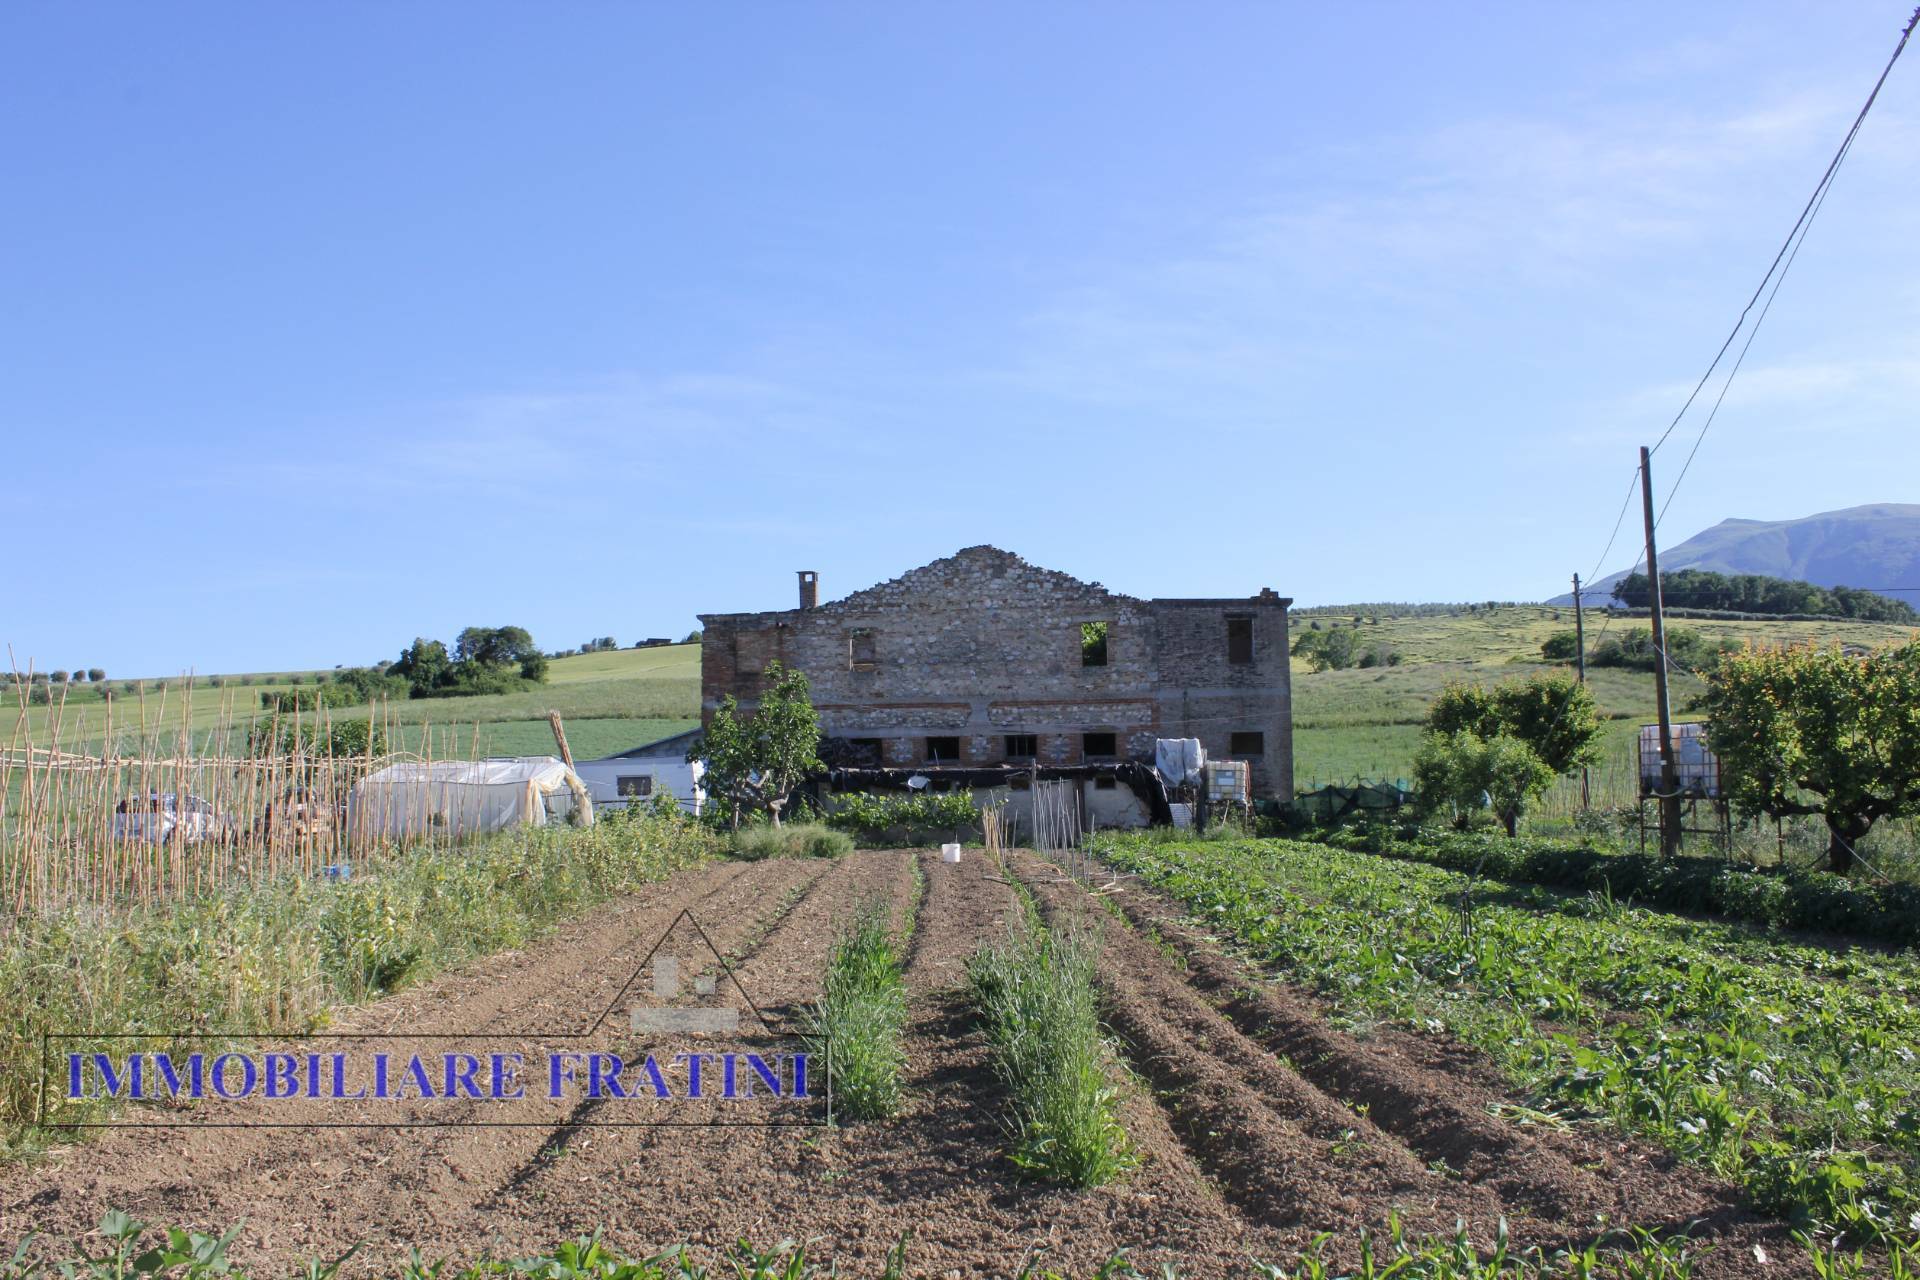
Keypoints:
pixel 457 798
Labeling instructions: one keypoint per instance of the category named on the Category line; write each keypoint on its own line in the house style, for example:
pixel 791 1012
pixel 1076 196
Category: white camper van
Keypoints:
pixel 641 775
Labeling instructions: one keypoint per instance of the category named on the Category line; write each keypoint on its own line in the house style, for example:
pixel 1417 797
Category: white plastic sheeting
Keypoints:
pixel 1179 760
pixel 456 798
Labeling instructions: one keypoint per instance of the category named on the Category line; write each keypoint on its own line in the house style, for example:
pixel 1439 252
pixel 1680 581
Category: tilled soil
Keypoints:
pixel 1393 1122
pixel 1258 1126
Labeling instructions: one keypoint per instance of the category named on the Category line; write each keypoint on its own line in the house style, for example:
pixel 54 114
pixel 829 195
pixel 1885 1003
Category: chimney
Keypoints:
pixel 809 588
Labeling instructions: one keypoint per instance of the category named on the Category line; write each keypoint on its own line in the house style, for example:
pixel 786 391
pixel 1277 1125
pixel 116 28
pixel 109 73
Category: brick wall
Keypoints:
pixel 982 644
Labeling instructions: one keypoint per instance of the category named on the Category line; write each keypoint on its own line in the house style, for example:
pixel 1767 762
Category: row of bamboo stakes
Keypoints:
pixel 60 843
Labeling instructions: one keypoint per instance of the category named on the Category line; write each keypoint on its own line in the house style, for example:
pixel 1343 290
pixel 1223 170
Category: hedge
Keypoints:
pixel 1815 900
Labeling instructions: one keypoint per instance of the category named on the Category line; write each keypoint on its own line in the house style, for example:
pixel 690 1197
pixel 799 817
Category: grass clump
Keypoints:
pixel 795 840
pixel 1036 998
pixel 860 1017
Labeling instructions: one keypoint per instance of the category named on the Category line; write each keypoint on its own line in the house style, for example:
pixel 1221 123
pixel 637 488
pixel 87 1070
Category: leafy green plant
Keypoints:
pixel 1786 1069
pixel 910 818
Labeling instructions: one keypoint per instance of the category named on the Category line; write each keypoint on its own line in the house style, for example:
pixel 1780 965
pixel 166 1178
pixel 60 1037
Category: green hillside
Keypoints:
pixel 1347 724
pixel 1365 723
pixel 611 701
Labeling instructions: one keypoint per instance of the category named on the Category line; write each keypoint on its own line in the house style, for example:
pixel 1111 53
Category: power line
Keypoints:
pixel 1745 347
pixel 1633 483
pixel 1805 219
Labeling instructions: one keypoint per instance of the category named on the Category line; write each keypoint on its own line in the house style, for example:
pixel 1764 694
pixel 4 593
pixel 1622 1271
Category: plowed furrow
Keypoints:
pixel 1280 1149
pixel 287 1182
pixel 1439 1114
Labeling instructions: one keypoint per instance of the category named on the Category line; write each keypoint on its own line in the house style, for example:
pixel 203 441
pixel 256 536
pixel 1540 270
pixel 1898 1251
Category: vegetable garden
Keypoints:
pixel 1788 1068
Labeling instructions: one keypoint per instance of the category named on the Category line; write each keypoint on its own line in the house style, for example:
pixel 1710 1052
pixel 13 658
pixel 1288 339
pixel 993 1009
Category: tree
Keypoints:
pixel 1758 593
pixel 1460 772
pixel 95 675
pixel 1561 646
pixel 693 637
pixel 423 664
pixel 1507 743
pixel 494 646
pixel 1554 714
pixel 1815 731
pixel 1332 650
pixel 59 677
pixel 759 759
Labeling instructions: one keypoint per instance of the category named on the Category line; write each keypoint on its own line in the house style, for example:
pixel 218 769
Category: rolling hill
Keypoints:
pixel 1873 546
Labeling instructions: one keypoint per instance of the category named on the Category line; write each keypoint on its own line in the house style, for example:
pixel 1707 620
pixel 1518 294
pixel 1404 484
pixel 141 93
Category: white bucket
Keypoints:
pixel 950 853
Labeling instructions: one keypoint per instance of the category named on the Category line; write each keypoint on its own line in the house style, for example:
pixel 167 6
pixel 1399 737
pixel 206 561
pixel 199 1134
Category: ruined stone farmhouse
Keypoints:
pixel 982 659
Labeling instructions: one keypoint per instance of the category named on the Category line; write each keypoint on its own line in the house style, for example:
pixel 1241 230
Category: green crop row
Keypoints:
pixel 1036 998
pixel 1789 1069
pixel 1799 900
pixel 861 1015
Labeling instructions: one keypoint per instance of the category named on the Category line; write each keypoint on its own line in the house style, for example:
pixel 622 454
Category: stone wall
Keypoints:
pixel 982 645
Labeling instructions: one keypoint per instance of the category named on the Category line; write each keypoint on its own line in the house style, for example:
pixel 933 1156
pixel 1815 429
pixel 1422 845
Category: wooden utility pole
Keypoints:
pixel 1669 776
pixel 1580 658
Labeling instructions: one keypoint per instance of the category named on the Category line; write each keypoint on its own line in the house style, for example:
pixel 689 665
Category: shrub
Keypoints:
pixel 795 840
pixel 922 817
pixel 1634 651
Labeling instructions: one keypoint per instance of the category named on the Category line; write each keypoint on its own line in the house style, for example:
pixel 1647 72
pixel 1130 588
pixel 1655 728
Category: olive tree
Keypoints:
pixel 1816 731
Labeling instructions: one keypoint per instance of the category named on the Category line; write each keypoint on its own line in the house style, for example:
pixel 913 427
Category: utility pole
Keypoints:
pixel 1669 776
pixel 1580 657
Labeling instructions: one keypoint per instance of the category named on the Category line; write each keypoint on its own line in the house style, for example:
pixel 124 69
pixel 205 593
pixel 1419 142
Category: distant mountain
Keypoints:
pixel 1872 546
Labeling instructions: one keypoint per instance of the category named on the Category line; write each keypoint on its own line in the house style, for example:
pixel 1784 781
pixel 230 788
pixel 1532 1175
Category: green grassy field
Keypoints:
pixel 1347 724
pixel 1365 723
pixel 611 701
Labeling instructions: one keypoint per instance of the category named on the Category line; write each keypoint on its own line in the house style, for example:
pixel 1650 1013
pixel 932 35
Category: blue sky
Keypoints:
pixel 330 325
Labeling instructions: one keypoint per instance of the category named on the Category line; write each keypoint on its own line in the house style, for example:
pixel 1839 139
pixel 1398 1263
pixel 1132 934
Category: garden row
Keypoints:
pixel 1813 900
pixel 1790 1070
